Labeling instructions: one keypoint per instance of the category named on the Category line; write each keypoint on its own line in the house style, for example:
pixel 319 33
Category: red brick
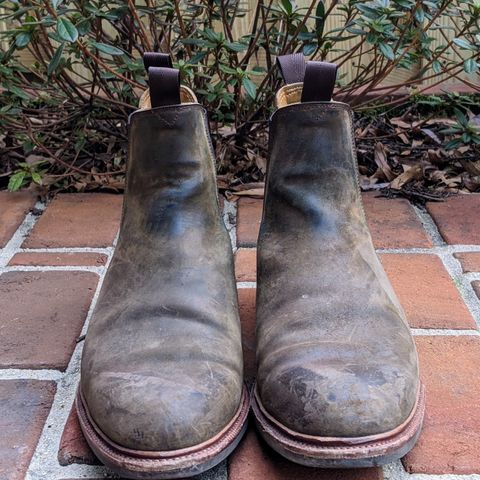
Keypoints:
pixel 77 220
pixel 249 216
pixel 246 301
pixel 73 446
pixel 393 223
pixel 58 259
pixel 25 405
pixel 13 208
pixel 254 460
pixel 476 287
pixel 450 440
pixel 458 218
pixel 470 261
pixel 426 292
pixel 246 265
pixel 42 315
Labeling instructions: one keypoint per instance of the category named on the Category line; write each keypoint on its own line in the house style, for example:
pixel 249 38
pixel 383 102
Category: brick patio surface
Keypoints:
pixel 52 262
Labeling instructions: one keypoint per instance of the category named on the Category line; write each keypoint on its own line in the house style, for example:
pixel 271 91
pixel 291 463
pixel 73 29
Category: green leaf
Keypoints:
pixel 286 6
pixel 84 26
pixel 419 15
pixel 387 51
pixel 320 20
pixel 437 66
pixel 462 43
pixel 309 49
pixel 67 30
pixel 470 65
pixel 461 117
pixel 16 181
pixel 249 87
pixel 235 46
pixel 36 178
pixel 18 92
pixel 57 56
pixel 108 49
pixel 23 39
pixel 227 69
pixel 456 142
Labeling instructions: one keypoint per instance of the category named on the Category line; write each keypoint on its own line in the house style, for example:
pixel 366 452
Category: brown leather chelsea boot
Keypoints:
pixel 337 382
pixel 161 393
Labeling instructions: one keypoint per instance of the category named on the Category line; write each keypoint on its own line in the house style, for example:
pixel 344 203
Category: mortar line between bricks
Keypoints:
pixel 463 284
pixel 472 276
pixel 30 374
pixel 105 250
pixel 418 332
pixel 18 237
pixel 429 226
pixel 53 268
pixel 44 463
pixel 436 250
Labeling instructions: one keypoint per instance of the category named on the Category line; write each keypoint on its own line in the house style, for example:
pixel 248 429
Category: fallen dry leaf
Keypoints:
pixel 380 156
pixel 410 173
pixel 429 133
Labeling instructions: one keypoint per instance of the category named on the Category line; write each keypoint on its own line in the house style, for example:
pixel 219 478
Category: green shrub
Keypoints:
pixel 63 116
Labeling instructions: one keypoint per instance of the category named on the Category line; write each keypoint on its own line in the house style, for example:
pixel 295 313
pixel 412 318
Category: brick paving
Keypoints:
pixel 458 220
pixel 51 269
pixel 14 207
pixel 58 259
pixel 24 405
pixel 470 261
pixel 42 316
pixel 450 440
pixel 77 220
pixel 426 291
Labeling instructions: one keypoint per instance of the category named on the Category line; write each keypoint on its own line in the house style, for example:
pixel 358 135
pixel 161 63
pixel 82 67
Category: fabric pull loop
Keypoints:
pixel 292 67
pixel 164 84
pixel 319 81
pixel 157 59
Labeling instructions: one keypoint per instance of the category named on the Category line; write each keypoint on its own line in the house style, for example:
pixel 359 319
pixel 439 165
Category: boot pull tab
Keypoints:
pixel 292 67
pixel 157 59
pixel 318 77
pixel 164 84
pixel 319 82
pixel 163 80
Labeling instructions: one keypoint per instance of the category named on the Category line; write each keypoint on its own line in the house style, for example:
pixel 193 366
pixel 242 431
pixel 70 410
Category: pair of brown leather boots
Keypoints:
pixel 162 393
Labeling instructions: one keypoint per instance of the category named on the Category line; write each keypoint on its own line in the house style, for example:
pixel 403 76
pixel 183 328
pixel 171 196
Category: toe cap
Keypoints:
pixel 161 413
pixel 341 399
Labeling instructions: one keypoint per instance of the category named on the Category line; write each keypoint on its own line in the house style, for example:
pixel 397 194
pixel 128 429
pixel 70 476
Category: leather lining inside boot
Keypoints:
pixel 289 94
pixel 186 96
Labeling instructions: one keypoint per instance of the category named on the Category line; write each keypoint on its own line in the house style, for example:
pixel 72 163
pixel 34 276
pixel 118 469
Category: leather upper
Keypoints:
pixel 162 362
pixel 335 355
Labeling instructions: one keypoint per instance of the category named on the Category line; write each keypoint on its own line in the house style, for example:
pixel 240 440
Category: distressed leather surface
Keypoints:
pixel 335 355
pixel 162 363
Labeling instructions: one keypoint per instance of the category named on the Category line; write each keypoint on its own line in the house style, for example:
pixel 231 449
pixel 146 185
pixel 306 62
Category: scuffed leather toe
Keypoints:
pixel 162 412
pixel 337 398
